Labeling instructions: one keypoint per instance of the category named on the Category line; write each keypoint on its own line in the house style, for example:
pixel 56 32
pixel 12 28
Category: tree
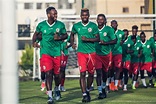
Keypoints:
pixel 27 58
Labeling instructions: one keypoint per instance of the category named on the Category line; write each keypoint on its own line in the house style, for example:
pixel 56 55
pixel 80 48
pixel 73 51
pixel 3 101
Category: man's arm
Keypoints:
pixel 96 39
pixel 108 43
pixel 59 38
pixel 34 39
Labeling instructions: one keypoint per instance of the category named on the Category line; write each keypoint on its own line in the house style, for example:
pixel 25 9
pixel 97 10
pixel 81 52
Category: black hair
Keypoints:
pixel 125 30
pixel 114 21
pixel 49 9
pixel 133 37
pixel 102 16
pixel 135 27
pixel 84 10
pixel 142 33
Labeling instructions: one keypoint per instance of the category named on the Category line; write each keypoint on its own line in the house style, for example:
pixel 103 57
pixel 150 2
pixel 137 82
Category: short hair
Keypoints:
pixel 102 16
pixel 114 21
pixel 155 32
pixel 142 33
pixel 135 27
pixel 125 30
pixel 49 9
pixel 84 10
pixel 133 37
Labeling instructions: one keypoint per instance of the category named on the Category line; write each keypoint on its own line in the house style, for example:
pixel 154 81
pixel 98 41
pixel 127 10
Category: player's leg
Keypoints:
pixel 82 60
pixel 42 80
pixel 57 65
pixel 126 68
pixel 47 66
pixel 98 66
pixel 62 72
pixel 143 78
pixel 117 63
pixel 135 72
pixel 149 72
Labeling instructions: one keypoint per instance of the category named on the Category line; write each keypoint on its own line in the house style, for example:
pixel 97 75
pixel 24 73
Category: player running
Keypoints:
pixel 88 34
pixel 103 51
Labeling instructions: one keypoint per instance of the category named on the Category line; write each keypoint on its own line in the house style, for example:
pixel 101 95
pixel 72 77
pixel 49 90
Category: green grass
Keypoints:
pixel 30 93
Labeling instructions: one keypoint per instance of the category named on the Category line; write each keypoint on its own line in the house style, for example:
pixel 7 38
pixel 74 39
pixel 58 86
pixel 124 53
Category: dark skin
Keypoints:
pixel 101 22
pixel 85 19
pixel 52 17
pixel 134 31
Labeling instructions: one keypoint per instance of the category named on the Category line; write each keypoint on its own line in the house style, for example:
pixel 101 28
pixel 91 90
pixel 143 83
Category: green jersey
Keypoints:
pixel 137 37
pixel 63 46
pixel 127 45
pixel 153 47
pixel 117 48
pixel 106 34
pixel 137 47
pixel 48 44
pixel 146 51
pixel 89 31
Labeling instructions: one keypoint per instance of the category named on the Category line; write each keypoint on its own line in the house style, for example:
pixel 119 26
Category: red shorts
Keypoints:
pixel 135 68
pixel 126 65
pixel 86 62
pixel 146 66
pixel 64 60
pixel 116 61
pixel 154 64
pixel 50 63
pixel 103 61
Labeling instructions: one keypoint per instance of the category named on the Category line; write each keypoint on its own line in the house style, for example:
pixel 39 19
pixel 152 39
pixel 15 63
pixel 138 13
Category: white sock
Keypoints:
pixel 108 81
pixel 112 79
pixel 134 82
pixel 143 82
pixel 116 82
pixel 125 86
pixel 50 93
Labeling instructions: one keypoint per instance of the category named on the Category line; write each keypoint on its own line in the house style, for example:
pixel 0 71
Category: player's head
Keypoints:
pixel 134 29
pixel 126 33
pixel 51 13
pixel 133 38
pixel 101 19
pixel 142 36
pixel 85 15
pixel 154 35
pixel 114 24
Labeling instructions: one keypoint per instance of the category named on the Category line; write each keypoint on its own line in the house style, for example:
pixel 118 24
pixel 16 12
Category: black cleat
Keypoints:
pixel 50 101
pixel 104 93
pixel 145 87
pixel 101 96
pixel 88 95
pixel 85 99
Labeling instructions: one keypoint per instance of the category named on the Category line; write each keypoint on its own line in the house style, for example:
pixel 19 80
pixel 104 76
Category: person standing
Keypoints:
pixel 117 52
pixel 88 34
pixel 53 32
pixel 103 54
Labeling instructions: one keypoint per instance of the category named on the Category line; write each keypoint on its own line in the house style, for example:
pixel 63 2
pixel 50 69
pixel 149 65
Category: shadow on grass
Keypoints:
pixel 33 97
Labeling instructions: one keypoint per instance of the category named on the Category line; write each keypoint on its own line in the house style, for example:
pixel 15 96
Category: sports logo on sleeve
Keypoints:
pixel 148 46
pixel 57 29
pixel 89 29
pixel 104 34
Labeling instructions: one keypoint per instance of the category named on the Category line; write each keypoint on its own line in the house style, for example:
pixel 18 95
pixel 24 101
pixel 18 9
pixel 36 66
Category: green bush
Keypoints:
pixel 27 58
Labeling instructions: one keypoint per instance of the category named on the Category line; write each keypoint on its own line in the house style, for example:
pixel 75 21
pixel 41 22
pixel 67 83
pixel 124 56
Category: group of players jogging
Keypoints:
pixel 106 50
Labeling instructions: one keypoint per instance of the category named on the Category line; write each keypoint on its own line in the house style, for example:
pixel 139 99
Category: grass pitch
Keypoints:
pixel 29 93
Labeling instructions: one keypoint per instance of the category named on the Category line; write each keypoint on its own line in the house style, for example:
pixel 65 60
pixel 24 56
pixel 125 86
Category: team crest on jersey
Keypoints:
pixel 44 31
pixel 104 34
pixel 57 29
pixel 128 45
pixel 137 48
pixel 148 46
pixel 89 29
pixel 120 35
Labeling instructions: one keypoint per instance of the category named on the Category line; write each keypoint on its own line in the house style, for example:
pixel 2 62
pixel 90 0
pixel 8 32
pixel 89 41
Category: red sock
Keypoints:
pixel 62 81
